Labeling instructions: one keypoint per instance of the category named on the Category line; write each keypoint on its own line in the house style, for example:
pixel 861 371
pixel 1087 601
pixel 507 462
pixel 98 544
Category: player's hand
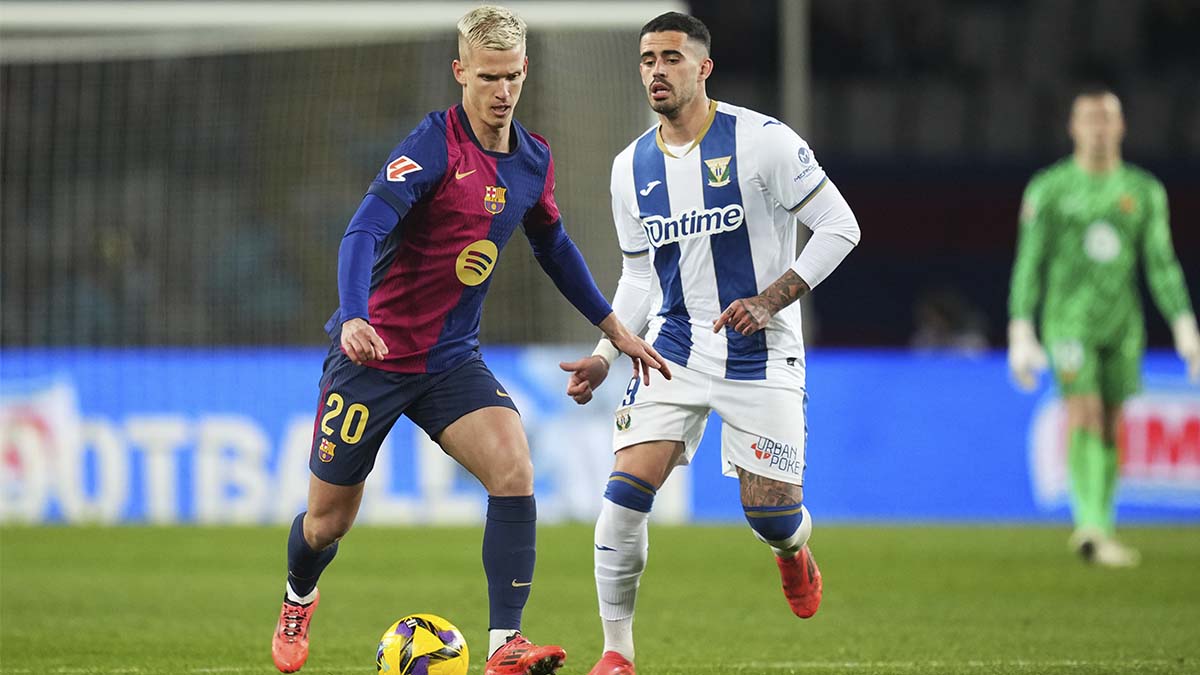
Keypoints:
pixel 745 315
pixel 586 375
pixel 361 343
pixel 639 351
pixel 1026 358
pixel 1187 344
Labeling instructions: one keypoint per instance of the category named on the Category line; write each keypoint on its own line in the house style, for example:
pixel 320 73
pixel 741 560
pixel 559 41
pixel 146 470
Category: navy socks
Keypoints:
pixel 304 564
pixel 508 558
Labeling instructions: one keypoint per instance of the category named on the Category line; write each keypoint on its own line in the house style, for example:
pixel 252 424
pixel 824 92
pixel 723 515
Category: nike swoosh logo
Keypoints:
pixel 521 584
pixel 502 394
pixel 460 176
pixel 645 192
pixel 770 122
pixel 604 548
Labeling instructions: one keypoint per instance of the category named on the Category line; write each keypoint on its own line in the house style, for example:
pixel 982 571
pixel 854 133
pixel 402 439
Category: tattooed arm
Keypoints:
pixel 750 315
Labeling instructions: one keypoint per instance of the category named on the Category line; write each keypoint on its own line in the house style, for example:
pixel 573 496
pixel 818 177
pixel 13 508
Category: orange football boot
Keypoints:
pixel 289 645
pixel 612 663
pixel 519 656
pixel 801 583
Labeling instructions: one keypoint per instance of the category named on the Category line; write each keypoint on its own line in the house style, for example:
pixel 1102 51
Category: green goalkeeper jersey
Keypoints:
pixel 1077 253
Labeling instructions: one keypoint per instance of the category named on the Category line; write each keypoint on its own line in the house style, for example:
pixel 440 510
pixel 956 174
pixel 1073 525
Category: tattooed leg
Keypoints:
pixel 775 512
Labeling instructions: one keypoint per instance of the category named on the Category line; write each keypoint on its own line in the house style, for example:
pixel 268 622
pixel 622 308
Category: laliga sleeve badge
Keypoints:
pixel 399 167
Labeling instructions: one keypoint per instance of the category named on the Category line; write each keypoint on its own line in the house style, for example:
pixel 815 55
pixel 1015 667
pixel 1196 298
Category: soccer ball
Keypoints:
pixel 422 644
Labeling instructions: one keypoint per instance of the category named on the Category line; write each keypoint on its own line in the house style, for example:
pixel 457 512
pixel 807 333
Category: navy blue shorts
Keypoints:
pixel 359 405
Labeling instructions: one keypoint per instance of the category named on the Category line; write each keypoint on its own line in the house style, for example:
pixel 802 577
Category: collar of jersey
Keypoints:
pixel 662 145
pixel 466 124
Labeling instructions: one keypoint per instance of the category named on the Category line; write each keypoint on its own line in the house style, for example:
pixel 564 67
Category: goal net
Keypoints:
pixel 180 173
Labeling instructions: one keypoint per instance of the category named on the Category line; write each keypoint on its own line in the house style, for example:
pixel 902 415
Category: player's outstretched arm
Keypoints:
pixel 589 372
pixel 642 354
pixel 631 304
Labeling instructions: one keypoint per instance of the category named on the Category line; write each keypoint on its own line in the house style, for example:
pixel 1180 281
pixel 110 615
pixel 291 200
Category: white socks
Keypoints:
pixel 300 599
pixel 621 545
pixel 497 637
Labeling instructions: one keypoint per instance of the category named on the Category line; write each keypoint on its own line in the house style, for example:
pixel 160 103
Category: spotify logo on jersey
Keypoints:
pixel 476 262
pixel 1101 242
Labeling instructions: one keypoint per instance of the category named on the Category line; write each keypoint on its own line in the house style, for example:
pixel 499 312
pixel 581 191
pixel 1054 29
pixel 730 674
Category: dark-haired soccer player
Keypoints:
pixel 413 269
pixel 706 205
pixel 1086 221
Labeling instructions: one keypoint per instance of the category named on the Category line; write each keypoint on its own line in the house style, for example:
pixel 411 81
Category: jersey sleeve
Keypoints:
pixel 787 166
pixel 1026 286
pixel 631 237
pixel 1163 272
pixel 544 213
pixel 414 167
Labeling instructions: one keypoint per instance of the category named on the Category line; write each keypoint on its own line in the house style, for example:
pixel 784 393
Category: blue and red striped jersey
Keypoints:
pixel 458 205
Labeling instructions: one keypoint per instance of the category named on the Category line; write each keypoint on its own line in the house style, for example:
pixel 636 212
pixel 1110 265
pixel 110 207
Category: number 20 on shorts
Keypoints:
pixel 354 422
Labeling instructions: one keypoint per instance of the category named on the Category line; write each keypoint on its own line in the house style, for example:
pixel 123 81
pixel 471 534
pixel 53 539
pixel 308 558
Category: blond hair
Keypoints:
pixel 490 27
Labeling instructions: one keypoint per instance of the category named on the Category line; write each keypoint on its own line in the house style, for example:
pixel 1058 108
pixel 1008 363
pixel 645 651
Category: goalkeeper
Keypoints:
pixel 1085 221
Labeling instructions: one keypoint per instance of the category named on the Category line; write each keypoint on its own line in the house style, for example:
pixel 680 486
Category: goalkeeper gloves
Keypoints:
pixel 1187 344
pixel 1026 358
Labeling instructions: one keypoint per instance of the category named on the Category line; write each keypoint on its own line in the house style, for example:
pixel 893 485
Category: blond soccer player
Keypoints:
pixel 413 269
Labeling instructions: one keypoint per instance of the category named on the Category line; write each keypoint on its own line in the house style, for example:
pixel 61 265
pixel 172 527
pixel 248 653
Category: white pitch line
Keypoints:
pixel 912 665
pixel 757 665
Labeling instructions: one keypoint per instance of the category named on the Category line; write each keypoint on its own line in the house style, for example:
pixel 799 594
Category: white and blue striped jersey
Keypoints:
pixel 718 224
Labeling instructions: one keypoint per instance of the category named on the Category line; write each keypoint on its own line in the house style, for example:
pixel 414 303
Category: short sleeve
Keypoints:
pixel 787 166
pixel 630 235
pixel 414 167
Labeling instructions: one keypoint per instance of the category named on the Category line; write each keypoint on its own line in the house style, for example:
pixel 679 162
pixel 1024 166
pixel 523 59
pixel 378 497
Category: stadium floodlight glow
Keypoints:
pixel 101 30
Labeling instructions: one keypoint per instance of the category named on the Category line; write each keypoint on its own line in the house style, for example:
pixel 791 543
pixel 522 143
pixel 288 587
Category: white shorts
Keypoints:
pixel 764 427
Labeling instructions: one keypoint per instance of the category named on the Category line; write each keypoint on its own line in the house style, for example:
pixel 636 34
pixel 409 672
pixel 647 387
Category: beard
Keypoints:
pixel 670 107
pixel 666 108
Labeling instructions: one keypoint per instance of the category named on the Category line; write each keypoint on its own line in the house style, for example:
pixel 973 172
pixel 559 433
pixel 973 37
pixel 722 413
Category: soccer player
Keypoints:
pixel 1085 223
pixel 413 268
pixel 706 204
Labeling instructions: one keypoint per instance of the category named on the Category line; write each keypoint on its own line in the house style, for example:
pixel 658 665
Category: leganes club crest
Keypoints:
pixel 718 171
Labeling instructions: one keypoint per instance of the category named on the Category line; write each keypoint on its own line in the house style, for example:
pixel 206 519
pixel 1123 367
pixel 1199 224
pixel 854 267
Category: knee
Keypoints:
pixel 774 524
pixel 323 530
pixel 1085 413
pixel 630 492
pixel 513 479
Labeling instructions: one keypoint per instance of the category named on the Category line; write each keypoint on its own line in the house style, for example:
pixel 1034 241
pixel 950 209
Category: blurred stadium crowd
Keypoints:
pixel 199 200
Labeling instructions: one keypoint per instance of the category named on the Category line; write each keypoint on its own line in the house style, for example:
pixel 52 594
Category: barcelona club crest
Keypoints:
pixel 493 199
pixel 718 171
pixel 326 450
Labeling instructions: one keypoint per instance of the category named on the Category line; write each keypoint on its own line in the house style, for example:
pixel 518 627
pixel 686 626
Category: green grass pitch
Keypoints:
pixel 897 600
